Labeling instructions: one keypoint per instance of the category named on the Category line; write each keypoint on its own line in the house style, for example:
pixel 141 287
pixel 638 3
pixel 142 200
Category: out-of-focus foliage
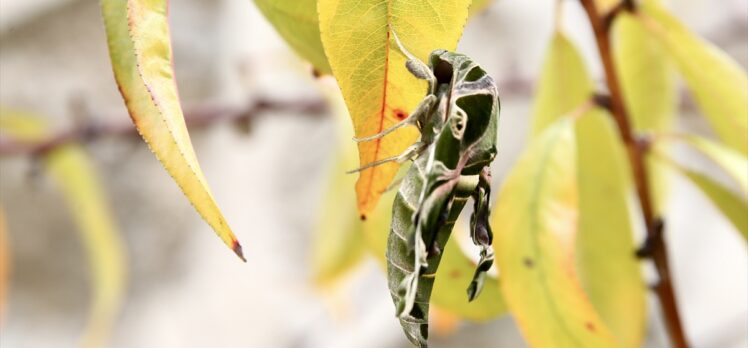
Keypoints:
pixel 4 264
pixel 649 91
pixel 70 166
pixel 608 269
pixel 370 70
pixel 535 222
pixel 140 51
pixel 717 82
pixel 563 86
pixel 604 241
pixel 733 205
pixel 296 21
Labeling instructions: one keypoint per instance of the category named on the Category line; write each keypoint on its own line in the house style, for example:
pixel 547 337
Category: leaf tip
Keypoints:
pixel 237 248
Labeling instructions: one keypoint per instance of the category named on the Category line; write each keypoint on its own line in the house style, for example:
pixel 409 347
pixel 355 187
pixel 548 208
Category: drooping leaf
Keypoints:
pixel 608 268
pixel 379 92
pixel 729 160
pixel 4 265
pixel 297 22
pixel 732 205
pixel 140 51
pixel 563 85
pixel 718 83
pixel 535 223
pixel 453 276
pixel 649 91
pixel 70 166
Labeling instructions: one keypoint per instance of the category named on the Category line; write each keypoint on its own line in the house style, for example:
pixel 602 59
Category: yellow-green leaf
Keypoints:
pixel 733 206
pixel 729 160
pixel 140 51
pixel 717 82
pixel 563 85
pixel 535 222
pixel 648 86
pixel 70 166
pixel 453 276
pixel 608 269
pixel 338 244
pixel 370 70
pixel 296 21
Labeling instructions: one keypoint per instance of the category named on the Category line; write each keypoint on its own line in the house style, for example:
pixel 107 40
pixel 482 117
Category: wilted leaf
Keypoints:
pixel 607 266
pixel 370 70
pixel 535 222
pixel 140 51
pixel 717 82
pixel 296 21
pixel 649 91
pixel 733 206
pixel 563 85
pixel 71 168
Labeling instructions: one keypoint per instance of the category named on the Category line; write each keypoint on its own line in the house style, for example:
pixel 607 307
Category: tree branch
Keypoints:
pixel 197 117
pixel 654 247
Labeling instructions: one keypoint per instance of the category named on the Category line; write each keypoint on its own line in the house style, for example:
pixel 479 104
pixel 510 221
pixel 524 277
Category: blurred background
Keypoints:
pixel 185 288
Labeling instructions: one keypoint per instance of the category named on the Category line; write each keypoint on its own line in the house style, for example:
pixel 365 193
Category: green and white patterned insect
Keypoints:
pixel 458 121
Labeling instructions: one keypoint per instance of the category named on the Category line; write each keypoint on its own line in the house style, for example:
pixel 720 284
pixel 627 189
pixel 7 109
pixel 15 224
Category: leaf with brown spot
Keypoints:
pixel 370 70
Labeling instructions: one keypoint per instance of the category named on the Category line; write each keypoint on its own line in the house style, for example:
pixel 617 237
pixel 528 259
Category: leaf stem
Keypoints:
pixel 654 247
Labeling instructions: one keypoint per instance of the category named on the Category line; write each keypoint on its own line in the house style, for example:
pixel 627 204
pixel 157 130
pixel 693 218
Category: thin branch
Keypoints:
pixel 654 246
pixel 197 117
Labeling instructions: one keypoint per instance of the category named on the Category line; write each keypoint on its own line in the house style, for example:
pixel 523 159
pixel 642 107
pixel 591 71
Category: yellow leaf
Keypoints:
pixel 717 82
pixel 4 265
pixel 296 21
pixel 649 90
pixel 535 222
pixel 140 51
pixel 564 84
pixel 733 206
pixel 453 276
pixel 370 70
pixel 607 267
pixel 71 168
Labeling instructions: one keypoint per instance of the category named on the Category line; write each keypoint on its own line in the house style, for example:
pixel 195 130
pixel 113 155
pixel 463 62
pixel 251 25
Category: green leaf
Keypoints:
pixel 649 91
pixel 717 82
pixel 140 51
pixel 453 276
pixel 607 266
pixel 535 224
pixel 370 70
pixel 70 166
pixel 732 206
pixel 564 84
pixel 296 21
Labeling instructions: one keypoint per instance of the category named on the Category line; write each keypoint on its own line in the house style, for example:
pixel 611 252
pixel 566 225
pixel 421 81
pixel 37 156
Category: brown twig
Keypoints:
pixel 654 247
pixel 196 117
